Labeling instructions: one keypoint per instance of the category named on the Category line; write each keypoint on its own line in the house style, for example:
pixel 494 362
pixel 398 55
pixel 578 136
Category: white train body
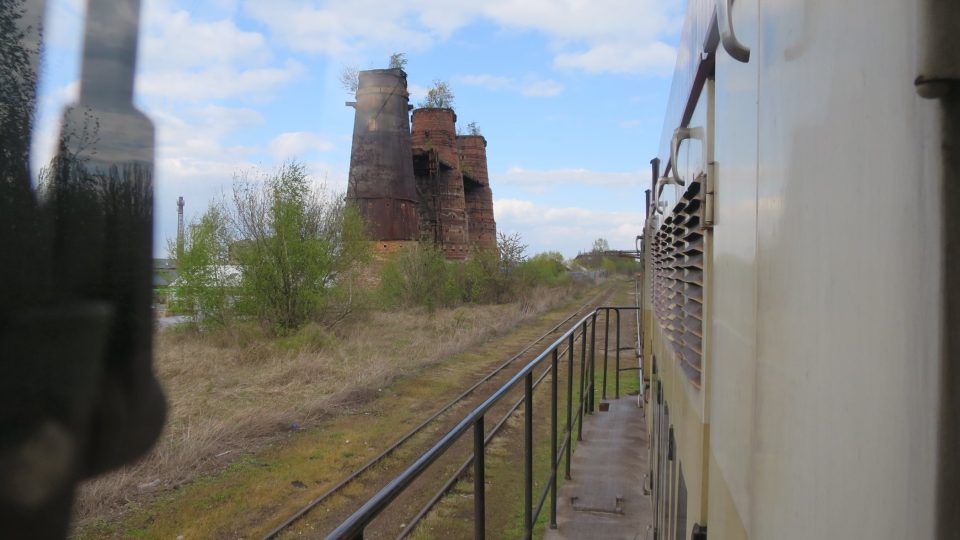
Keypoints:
pixel 804 390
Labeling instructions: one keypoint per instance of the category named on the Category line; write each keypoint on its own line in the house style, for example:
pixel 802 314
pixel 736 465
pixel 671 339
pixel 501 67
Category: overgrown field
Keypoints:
pixel 233 392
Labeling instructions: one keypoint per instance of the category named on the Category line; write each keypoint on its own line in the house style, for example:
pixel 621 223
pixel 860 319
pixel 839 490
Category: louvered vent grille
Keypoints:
pixel 678 280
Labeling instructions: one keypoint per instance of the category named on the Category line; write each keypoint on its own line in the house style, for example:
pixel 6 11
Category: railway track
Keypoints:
pixel 322 514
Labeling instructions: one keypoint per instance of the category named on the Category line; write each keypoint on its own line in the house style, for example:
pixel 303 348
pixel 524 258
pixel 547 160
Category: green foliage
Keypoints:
pixel 600 257
pixel 544 269
pixel 398 60
pixel 297 243
pixel 417 275
pixel 206 281
pixel 473 128
pixel 440 96
pixel 420 275
pixel 280 251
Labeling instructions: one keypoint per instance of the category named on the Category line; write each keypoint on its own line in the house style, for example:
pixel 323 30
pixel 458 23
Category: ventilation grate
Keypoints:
pixel 678 280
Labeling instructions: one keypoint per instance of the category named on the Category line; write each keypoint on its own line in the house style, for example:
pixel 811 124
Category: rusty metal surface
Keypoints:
pixel 381 169
pixel 388 219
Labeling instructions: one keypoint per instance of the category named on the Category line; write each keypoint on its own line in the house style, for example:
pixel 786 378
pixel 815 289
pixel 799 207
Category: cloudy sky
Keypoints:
pixel 569 93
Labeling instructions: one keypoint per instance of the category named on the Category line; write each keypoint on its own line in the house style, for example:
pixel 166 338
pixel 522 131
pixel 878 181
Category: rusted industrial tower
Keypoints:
pixel 381 180
pixel 481 227
pixel 439 181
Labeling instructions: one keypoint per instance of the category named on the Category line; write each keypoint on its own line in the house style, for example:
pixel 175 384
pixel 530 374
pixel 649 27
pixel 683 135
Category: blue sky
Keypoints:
pixel 570 95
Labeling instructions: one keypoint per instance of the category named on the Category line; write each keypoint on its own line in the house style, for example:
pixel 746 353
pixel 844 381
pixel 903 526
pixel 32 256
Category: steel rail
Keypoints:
pixel 414 431
pixel 455 477
pixel 354 525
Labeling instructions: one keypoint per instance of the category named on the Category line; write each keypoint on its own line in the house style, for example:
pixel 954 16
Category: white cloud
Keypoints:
pixel 341 26
pixel 654 58
pixel 566 229
pixel 173 37
pixel 217 82
pixel 545 88
pixel 531 85
pixel 417 92
pixel 298 143
pixel 543 179
pixel 585 32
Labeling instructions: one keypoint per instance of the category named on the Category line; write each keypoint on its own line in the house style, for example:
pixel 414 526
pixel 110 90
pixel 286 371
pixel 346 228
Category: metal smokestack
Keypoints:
pixel 381 181
pixel 180 228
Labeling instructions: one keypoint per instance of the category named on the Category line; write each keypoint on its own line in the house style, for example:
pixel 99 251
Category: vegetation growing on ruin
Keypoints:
pixel 439 96
pixel 398 60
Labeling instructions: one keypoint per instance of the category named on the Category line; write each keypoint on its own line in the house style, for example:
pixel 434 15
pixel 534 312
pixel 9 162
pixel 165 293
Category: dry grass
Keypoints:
pixel 237 391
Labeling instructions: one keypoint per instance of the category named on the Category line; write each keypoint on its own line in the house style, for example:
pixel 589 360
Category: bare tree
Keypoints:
pixel 473 128
pixel 350 79
pixel 512 250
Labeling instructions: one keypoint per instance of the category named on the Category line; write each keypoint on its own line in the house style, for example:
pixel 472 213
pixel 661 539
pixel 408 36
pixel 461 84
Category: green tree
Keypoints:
pixel 398 60
pixel 440 96
pixel 300 247
pixel 206 281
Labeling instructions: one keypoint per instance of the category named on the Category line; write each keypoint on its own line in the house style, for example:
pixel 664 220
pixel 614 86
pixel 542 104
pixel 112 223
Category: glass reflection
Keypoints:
pixel 77 393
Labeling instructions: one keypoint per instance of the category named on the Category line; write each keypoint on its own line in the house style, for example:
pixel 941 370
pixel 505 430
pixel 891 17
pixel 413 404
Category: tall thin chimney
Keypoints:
pixel 180 228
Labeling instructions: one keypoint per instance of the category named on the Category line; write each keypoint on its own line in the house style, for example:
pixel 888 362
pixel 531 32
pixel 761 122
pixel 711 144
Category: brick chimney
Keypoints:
pixel 481 227
pixel 440 182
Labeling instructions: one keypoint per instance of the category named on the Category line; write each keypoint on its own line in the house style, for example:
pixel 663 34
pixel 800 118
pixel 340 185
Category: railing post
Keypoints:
pixel 570 351
pixel 553 438
pixel 593 364
pixel 479 490
pixel 583 381
pixel 606 348
pixel 528 456
pixel 616 379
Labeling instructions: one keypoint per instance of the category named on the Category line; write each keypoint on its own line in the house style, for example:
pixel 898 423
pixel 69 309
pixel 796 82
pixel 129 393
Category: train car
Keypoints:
pixel 800 287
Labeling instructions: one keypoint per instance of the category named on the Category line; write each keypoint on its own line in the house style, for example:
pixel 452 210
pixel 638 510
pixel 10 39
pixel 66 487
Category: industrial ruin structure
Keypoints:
pixel 428 184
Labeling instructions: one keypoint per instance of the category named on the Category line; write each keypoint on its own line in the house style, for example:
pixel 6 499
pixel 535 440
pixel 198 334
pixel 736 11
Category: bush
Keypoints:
pixel 280 251
pixel 543 269
pixel 417 275
pixel 299 246
pixel 206 282
pixel 420 275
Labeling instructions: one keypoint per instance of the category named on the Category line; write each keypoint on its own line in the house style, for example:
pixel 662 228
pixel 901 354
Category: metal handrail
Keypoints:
pixel 352 528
